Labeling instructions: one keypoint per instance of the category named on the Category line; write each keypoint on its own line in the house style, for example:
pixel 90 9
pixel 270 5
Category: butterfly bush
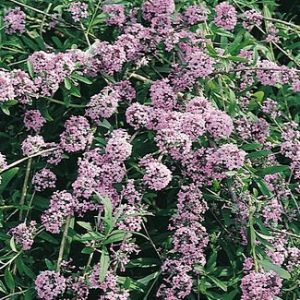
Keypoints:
pixel 151 150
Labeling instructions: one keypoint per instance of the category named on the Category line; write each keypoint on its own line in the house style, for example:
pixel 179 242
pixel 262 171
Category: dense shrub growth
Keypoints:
pixel 149 150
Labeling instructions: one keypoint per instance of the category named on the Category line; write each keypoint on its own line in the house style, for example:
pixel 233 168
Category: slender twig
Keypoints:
pixel 29 205
pixel 286 232
pixel 42 12
pixel 63 242
pixel 249 69
pixel 10 261
pixel 25 187
pixel 282 22
pixel 152 285
pixel 85 35
pixel 140 77
pixel 93 17
pixel 26 158
pixel 44 19
pixel 150 240
pixel 63 103
pixel 13 294
pixel 252 235
pixel 18 62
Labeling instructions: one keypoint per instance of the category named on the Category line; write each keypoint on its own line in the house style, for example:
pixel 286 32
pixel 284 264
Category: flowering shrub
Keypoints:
pixel 149 150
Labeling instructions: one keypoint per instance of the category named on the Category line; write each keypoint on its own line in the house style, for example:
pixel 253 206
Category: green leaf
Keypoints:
pixel 263 187
pixel 28 42
pixel 218 283
pixel 85 225
pixel 13 244
pixel 80 78
pixel 104 264
pixel 260 153
pixel 42 107
pixel 90 236
pixel 231 295
pixel 145 280
pixel 268 266
pixel 107 212
pixel 30 68
pixel 7 176
pixel 143 262
pixel 9 279
pixel 87 250
pixel 3 288
pixel 48 237
pixel 5 110
pixel 115 236
pixel 272 170
pixel 67 83
pixel 252 146
pixel 259 96
pixel 23 269
pixel 30 294
pixel 50 265
pixel 211 262
pixel 105 124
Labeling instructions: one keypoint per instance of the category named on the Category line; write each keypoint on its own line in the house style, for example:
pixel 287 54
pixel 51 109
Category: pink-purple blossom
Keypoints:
pixel 34 120
pixel 24 234
pixel 116 14
pixel 79 11
pixel 77 134
pixel 157 176
pixel 226 16
pixel 49 285
pixel 43 180
pixel 14 21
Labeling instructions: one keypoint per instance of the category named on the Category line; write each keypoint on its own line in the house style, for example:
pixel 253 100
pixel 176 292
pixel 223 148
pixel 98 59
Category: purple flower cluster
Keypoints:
pixel 7 88
pixel 3 163
pixel 270 107
pixel 137 115
pixel 252 18
pixel 218 124
pixel 14 21
pixel 162 95
pixel 260 285
pixel 99 172
pixel 24 234
pixel 79 11
pixel 227 157
pixel 62 205
pixel 33 120
pixel 116 15
pixel 157 176
pixel 77 134
pixel 50 285
pixel 195 14
pixel 256 130
pixel 51 69
pixel 189 242
pixel 33 144
pixel 155 8
pixel 43 180
pixel 291 146
pixel 24 87
pixel 130 193
pixel 110 288
pixel 226 16
pixel 117 148
pixel 103 105
pixel 131 219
